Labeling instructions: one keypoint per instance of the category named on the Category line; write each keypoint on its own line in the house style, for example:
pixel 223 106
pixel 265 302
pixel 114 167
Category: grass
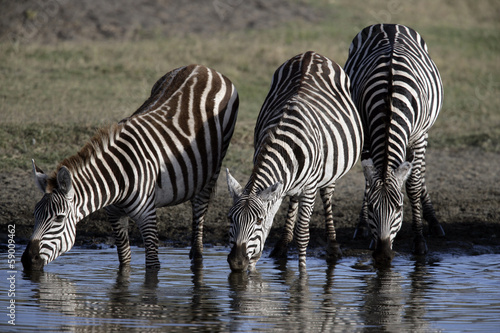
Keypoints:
pixel 53 97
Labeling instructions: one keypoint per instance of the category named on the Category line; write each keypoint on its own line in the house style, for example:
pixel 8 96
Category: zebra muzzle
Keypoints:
pixel 238 259
pixel 383 253
pixel 31 257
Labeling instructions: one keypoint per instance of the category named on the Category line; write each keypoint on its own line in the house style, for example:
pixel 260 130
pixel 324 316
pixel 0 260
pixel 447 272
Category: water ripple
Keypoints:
pixel 84 290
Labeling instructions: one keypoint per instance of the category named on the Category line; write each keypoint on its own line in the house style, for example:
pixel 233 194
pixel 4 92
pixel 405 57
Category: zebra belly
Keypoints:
pixel 332 171
pixel 174 187
pixel 169 192
pixel 164 195
pixel 337 161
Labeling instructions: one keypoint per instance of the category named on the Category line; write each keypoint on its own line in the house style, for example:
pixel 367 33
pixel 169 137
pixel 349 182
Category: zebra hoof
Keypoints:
pixel 302 265
pixel 153 267
pixel 280 251
pixel 333 253
pixel 195 254
pixel 420 246
pixel 124 268
pixel 436 230
pixel 361 232
pixel 197 265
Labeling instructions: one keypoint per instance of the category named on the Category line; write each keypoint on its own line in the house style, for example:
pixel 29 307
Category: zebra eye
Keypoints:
pixel 259 220
pixel 59 218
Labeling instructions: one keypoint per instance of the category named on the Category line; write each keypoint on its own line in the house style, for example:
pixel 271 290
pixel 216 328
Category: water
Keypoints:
pixel 84 291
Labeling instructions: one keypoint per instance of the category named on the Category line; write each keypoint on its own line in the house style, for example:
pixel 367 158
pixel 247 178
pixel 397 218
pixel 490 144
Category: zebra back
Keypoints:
pixel 178 137
pixel 397 90
pixel 309 102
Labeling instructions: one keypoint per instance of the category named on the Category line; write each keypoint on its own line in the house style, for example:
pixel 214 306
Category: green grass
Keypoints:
pixel 52 97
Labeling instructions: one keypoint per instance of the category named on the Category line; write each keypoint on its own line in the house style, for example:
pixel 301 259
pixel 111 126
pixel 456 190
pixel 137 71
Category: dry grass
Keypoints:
pixel 52 97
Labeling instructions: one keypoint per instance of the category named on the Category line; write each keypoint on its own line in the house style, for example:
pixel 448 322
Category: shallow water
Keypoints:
pixel 84 291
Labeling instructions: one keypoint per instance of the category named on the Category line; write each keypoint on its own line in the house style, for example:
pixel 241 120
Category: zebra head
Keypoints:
pixel 251 218
pixel 55 220
pixel 384 198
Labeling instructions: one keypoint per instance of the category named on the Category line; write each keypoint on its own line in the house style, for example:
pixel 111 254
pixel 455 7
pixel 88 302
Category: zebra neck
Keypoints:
pixel 389 139
pixel 264 177
pixel 98 172
pixel 258 183
pixel 95 190
pixel 389 159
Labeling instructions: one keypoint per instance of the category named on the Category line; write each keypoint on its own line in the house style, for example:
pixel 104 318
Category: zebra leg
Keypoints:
pixel 362 228
pixel 429 213
pixel 149 232
pixel 281 248
pixel 145 219
pixel 199 206
pixel 306 205
pixel 435 227
pixel 119 222
pixel 414 191
pixel 333 252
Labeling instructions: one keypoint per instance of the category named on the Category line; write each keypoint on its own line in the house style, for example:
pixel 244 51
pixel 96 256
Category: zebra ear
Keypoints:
pixel 369 170
pixel 402 173
pixel 64 182
pixel 233 186
pixel 272 192
pixel 40 177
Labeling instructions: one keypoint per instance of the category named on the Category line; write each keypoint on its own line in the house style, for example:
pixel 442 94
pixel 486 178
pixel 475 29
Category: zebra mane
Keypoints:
pixel 91 150
pixel 262 149
pixel 390 32
pixel 259 159
pixel 263 152
pixel 388 117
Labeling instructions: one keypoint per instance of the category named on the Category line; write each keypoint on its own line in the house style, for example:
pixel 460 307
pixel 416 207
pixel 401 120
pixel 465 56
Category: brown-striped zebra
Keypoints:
pixel 398 91
pixel 308 135
pixel 168 152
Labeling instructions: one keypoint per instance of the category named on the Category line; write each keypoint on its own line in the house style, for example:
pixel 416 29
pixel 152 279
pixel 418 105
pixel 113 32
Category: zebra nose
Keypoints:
pixel 31 257
pixel 237 258
pixel 383 253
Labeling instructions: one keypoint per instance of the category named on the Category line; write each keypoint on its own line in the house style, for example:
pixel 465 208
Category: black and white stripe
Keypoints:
pixel 308 135
pixel 398 92
pixel 169 151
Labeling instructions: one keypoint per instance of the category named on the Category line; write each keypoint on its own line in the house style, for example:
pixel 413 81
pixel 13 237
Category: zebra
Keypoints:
pixel 308 134
pixel 398 92
pixel 168 152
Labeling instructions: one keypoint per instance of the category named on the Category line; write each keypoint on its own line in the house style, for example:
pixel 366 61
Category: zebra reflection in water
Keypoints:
pixel 389 305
